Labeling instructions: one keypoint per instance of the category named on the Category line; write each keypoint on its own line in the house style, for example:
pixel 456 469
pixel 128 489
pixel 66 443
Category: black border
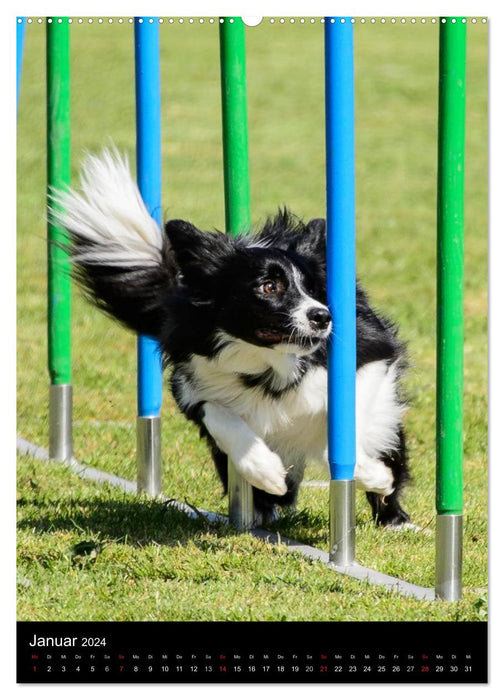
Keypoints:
pixel 322 652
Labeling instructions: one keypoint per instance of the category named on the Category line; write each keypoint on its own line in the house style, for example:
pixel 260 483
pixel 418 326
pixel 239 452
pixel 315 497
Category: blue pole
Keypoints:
pixel 148 155
pixel 341 281
pixel 20 36
pixel 340 164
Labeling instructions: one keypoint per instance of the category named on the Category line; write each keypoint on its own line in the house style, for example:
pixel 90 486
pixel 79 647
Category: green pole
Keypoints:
pixel 234 124
pixel 59 282
pixel 450 306
pixel 237 197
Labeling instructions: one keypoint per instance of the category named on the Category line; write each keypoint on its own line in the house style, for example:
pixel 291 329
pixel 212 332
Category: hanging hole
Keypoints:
pixel 252 21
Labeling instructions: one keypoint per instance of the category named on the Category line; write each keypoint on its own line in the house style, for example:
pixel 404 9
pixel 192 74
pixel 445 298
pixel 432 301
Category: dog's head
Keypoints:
pixel 268 289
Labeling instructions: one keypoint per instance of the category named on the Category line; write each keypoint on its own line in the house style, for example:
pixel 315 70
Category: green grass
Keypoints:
pixel 147 561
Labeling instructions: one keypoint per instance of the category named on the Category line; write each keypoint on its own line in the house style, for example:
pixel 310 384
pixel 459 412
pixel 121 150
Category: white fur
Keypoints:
pixel 217 380
pixel 378 410
pixel 293 427
pixel 110 213
pixel 372 475
pixel 252 458
pixel 299 315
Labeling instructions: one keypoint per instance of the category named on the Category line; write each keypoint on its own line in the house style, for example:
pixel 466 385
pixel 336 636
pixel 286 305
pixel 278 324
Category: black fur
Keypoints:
pixel 209 282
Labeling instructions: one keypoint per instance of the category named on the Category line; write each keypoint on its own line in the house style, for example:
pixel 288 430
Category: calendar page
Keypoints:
pixel 252 349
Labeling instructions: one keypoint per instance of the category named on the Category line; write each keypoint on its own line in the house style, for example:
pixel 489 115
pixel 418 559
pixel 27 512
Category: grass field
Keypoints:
pixel 143 560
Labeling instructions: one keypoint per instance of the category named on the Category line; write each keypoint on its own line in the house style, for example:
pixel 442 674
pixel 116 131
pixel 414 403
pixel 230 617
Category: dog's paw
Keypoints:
pixel 372 475
pixel 263 469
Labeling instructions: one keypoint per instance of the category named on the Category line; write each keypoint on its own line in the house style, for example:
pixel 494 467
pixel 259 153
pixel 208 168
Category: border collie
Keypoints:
pixel 243 322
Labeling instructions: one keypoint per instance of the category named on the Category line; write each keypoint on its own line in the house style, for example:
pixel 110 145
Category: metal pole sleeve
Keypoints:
pixel 148 154
pixel 340 165
pixel 60 422
pixel 449 537
pixel 450 267
pixel 241 501
pixel 342 522
pixel 149 455
pixel 58 177
pixel 236 196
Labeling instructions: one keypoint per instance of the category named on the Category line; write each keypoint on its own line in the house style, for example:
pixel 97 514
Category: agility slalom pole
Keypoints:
pixel 20 37
pixel 341 281
pixel 450 309
pixel 237 197
pixel 148 156
pixel 58 260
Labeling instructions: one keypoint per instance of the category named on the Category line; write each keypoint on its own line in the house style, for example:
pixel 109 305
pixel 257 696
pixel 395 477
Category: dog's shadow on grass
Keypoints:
pixel 137 523
pixel 144 521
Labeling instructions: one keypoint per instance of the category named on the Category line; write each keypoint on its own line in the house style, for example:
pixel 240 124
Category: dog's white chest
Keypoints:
pixel 293 420
pixel 304 429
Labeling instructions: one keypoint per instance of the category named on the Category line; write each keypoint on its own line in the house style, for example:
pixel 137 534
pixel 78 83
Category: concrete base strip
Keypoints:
pixel 396 585
pixel 28 448
pixel 354 571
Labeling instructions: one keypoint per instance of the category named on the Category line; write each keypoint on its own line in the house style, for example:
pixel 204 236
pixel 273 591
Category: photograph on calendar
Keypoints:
pixel 252 348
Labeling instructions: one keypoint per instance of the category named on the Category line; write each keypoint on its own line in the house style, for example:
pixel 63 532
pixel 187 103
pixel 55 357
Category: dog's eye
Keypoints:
pixel 269 287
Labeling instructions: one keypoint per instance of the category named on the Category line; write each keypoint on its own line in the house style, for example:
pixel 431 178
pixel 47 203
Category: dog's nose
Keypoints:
pixel 319 318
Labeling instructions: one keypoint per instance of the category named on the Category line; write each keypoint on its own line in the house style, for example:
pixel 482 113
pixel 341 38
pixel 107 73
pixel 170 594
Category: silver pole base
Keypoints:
pixel 342 522
pixel 60 422
pixel 149 455
pixel 241 502
pixel 449 557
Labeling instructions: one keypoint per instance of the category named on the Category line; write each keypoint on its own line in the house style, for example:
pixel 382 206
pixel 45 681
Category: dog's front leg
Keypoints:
pixel 252 458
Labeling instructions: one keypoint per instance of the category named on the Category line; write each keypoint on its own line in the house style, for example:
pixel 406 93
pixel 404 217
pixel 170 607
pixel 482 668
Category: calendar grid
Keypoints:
pixel 267 652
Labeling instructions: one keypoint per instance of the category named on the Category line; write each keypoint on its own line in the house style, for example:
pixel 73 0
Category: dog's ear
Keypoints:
pixel 198 254
pixel 312 241
pixel 317 228
pixel 311 245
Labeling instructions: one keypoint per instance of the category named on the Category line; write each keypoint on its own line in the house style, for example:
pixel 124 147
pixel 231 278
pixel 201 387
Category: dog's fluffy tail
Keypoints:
pixel 122 259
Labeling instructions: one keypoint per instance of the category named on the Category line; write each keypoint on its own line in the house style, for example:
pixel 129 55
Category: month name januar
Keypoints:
pixel 52 641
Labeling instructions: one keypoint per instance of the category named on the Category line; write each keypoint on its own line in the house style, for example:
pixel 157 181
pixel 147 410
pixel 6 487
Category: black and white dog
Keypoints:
pixel 244 324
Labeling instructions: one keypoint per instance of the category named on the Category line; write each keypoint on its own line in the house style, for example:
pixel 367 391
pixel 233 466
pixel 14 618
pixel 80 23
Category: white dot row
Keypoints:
pixel 272 20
